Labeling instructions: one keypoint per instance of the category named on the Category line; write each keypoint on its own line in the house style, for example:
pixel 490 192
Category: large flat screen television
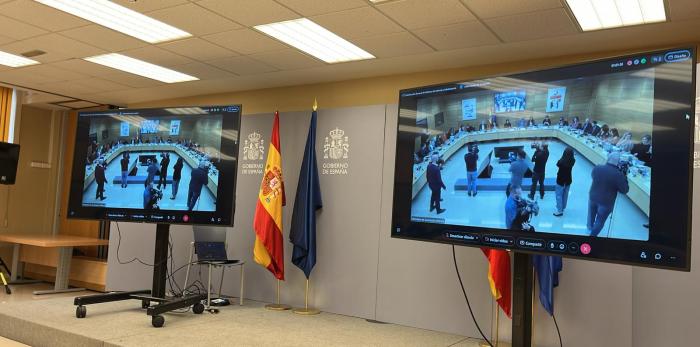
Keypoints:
pixel 9 159
pixel 159 165
pixel 607 177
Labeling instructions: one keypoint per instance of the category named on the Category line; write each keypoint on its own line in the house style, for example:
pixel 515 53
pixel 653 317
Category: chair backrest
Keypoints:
pixel 209 234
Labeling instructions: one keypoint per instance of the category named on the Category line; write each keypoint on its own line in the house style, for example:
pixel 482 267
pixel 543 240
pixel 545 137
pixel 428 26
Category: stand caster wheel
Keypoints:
pixel 157 321
pixel 80 311
pixel 145 303
pixel 198 308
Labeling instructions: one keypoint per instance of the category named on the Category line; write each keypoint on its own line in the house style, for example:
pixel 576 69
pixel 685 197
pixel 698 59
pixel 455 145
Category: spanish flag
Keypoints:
pixel 269 250
pixel 499 277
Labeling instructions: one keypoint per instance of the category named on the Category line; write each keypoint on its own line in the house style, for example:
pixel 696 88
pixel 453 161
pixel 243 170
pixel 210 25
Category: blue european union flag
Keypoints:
pixel 308 200
pixel 547 268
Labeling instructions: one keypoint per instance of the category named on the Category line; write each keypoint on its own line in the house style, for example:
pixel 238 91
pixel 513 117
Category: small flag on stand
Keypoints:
pixel 308 200
pixel 269 250
pixel 499 277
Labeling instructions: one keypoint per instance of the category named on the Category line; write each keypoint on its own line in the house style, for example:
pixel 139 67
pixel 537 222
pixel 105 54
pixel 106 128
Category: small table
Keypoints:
pixel 64 243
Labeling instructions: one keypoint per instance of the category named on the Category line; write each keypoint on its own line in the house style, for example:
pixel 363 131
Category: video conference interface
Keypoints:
pixel 156 160
pixel 570 151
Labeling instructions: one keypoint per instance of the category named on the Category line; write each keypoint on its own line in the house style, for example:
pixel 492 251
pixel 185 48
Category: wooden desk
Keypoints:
pixel 64 243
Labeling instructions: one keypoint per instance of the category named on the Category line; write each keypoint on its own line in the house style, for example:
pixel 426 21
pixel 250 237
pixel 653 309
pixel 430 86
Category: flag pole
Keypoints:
pixel 494 326
pixel 306 311
pixel 277 306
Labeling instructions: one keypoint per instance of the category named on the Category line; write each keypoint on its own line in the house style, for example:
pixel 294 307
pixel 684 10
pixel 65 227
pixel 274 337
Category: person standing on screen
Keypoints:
pixel 564 179
pixel 607 181
pixel 517 169
pixel 152 170
pixel 100 179
pixel 197 181
pixel 177 175
pixel 125 168
pixel 471 159
pixel 540 159
pixel 434 177
pixel 164 163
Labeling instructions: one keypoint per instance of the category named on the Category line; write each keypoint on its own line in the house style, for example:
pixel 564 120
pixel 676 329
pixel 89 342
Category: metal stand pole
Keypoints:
pixel 277 306
pixel 306 310
pixel 523 282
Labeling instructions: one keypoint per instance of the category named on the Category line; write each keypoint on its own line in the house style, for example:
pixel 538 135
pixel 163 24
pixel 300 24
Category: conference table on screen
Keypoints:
pixel 640 184
pixel 192 159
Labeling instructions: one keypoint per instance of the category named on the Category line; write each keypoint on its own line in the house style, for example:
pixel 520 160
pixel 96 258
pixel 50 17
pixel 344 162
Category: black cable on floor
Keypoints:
pixel 466 298
pixel 561 344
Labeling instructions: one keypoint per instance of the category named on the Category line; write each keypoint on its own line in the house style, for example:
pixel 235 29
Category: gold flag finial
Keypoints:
pixel 315 107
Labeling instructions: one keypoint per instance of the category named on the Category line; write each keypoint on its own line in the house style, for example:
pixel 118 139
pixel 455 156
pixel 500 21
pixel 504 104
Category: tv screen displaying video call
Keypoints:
pixel 591 160
pixel 174 165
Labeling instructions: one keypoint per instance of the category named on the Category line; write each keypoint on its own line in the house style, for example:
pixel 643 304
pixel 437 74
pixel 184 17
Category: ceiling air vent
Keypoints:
pixel 33 53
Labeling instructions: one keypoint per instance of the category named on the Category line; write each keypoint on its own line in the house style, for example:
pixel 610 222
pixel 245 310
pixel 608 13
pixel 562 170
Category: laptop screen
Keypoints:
pixel 210 250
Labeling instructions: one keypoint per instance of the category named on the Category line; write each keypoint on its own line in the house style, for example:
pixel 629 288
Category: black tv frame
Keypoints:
pixel 227 174
pixel 404 176
pixel 8 169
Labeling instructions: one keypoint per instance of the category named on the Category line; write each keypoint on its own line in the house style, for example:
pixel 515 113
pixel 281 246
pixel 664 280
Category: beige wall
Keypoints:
pixel 28 206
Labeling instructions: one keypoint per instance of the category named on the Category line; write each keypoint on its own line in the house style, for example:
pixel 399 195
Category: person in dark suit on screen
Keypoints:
pixel 607 181
pixel 596 129
pixel 100 179
pixel 197 181
pixel 564 179
pixel 164 163
pixel 177 175
pixel 434 177
pixel 540 159
pixel 517 170
pixel 587 126
pixel 124 162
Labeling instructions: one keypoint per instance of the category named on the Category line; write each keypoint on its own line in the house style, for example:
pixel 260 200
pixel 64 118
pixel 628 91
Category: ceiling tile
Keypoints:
pixel 249 14
pixel 131 80
pixel 18 30
pixel 315 7
pixel 42 16
pixel 462 35
pixel 245 41
pixel 84 67
pixel 144 6
pixel 33 97
pixel 156 55
pixel 393 45
pixel 498 8
pixel 416 14
pixel 52 72
pixel 99 85
pixel 65 88
pixel 194 19
pixel 532 26
pixel 242 65
pixel 79 104
pixel 359 22
pixel 288 59
pixel 57 48
pixel 203 71
pixel 104 38
pixel 198 49
pixel 683 9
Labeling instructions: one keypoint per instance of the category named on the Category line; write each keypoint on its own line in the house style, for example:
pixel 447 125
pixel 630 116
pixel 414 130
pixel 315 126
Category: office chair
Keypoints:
pixel 210 248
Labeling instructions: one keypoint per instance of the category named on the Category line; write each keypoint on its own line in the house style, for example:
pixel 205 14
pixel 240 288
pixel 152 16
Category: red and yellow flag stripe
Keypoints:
pixel 269 249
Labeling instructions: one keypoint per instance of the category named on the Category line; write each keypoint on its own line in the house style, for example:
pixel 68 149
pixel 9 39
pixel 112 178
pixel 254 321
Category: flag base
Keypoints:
pixel 278 307
pixel 306 311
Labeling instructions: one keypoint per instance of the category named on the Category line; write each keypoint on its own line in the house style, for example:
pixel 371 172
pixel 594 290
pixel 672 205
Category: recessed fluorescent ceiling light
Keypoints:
pixel 119 18
pixel 140 67
pixel 604 14
pixel 315 40
pixel 12 60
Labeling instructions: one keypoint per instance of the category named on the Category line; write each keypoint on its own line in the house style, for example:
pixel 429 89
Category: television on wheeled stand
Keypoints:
pixel 191 152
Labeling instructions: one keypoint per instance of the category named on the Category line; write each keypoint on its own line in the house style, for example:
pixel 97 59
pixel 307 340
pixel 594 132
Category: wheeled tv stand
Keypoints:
pixel 156 294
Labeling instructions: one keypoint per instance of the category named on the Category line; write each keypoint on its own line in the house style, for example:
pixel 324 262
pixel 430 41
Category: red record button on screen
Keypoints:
pixel 585 248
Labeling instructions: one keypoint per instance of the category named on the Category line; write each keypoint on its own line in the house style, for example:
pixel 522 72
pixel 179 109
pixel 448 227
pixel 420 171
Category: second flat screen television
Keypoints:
pixel 160 165
pixel 590 161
